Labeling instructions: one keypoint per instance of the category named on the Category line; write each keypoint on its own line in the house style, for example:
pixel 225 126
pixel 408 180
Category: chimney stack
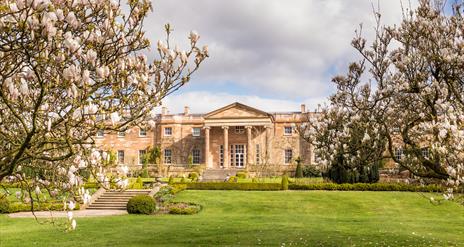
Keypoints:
pixel 303 108
pixel 164 110
pixel 186 110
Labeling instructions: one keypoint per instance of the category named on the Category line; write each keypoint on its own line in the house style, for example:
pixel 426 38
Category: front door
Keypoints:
pixel 238 155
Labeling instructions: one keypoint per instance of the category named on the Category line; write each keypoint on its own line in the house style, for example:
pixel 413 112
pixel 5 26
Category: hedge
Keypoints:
pixel 367 187
pixel 316 186
pixel 14 207
pixel 232 186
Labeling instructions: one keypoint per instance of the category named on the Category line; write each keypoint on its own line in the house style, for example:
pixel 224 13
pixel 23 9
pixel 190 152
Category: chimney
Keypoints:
pixel 186 110
pixel 303 108
pixel 164 110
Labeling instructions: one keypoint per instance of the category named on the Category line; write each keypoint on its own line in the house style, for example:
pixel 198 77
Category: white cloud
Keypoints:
pixel 274 48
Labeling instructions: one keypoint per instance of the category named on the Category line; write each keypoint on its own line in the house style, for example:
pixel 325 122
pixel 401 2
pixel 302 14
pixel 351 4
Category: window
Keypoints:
pixel 396 129
pixel 398 153
pixel 142 156
pixel 100 133
pixel 239 129
pixel 167 156
pixel 221 155
pixel 196 131
pixel 121 133
pixel 258 154
pixel 288 156
pixel 121 156
pixel 167 131
pixel 196 156
pixel 142 132
pixel 288 130
pixel 425 153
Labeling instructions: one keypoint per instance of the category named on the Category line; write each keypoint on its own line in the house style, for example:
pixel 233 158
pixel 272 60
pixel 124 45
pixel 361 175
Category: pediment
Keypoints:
pixel 236 110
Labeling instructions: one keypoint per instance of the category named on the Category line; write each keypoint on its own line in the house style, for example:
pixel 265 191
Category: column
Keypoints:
pixel 207 153
pixel 226 146
pixel 268 144
pixel 249 147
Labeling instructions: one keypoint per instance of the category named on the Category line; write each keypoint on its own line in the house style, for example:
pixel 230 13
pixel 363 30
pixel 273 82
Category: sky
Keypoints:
pixel 270 54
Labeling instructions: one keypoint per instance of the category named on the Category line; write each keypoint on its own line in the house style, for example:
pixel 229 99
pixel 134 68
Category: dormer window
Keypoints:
pixel 100 133
pixel 121 133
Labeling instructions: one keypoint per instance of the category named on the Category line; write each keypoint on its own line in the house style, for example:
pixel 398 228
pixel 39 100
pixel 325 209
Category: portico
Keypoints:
pixel 240 132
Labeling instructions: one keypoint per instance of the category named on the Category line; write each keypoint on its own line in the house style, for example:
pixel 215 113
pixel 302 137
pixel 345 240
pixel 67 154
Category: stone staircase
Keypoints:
pixel 115 200
pixel 211 175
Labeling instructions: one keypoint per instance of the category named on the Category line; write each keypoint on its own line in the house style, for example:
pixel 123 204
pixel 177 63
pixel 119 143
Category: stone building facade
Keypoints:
pixel 236 136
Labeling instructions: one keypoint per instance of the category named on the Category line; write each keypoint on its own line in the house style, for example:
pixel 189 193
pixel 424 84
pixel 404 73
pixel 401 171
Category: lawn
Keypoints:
pixel 277 218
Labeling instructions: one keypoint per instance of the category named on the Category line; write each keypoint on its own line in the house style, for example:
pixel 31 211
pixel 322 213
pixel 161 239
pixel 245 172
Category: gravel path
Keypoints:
pixel 77 213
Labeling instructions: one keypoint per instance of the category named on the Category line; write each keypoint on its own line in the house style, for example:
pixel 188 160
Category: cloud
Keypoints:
pixel 274 49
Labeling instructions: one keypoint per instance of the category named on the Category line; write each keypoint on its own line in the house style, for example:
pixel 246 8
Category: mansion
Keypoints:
pixel 235 136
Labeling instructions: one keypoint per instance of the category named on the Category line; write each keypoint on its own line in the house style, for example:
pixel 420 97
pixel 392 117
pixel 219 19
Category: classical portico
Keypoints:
pixel 241 136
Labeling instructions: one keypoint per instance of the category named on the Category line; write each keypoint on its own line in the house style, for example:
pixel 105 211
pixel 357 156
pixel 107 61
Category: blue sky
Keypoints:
pixel 270 54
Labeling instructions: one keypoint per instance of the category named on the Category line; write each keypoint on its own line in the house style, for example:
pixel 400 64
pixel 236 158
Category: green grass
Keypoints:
pixel 239 218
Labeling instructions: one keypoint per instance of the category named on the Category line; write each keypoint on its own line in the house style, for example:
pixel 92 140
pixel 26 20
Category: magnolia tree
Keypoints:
pixel 417 101
pixel 69 69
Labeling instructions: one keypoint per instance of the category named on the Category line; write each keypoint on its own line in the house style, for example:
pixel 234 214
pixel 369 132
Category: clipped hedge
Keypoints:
pixel 141 204
pixel 14 207
pixel 367 187
pixel 232 186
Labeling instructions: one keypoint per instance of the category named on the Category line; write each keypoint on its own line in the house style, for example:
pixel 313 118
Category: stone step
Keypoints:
pixel 115 199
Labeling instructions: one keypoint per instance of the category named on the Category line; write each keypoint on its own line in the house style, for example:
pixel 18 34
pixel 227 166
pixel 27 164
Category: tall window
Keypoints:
pixel 167 131
pixel 288 130
pixel 121 156
pixel 121 133
pixel 239 129
pixel 398 153
pixel 221 155
pixel 100 133
pixel 288 156
pixel 142 132
pixel 142 156
pixel 196 131
pixel 196 156
pixel 258 154
pixel 167 156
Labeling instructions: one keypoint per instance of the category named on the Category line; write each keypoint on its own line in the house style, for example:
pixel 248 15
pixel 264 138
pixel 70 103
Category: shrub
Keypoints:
pixel 338 173
pixel 138 184
pixel 232 186
pixel 241 175
pixel 4 205
pixel 141 204
pixel 284 182
pixel 299 171
pixel 233 179
pixel 310 171
pixel 182 180
pixel 184 208
pixel 171 180
pixel 254 180
pixel 193 176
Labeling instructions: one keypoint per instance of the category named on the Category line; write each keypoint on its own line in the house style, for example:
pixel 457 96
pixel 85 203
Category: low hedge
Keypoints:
pixel 141 204
pixel 14 207
pixel 367 187
pixel 232 186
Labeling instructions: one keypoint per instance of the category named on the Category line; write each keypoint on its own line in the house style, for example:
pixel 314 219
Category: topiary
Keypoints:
pixel 232 179
pixel 171 180
pixel 141 204
pixel 299 169
pixel 284 184
pixel 4 205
